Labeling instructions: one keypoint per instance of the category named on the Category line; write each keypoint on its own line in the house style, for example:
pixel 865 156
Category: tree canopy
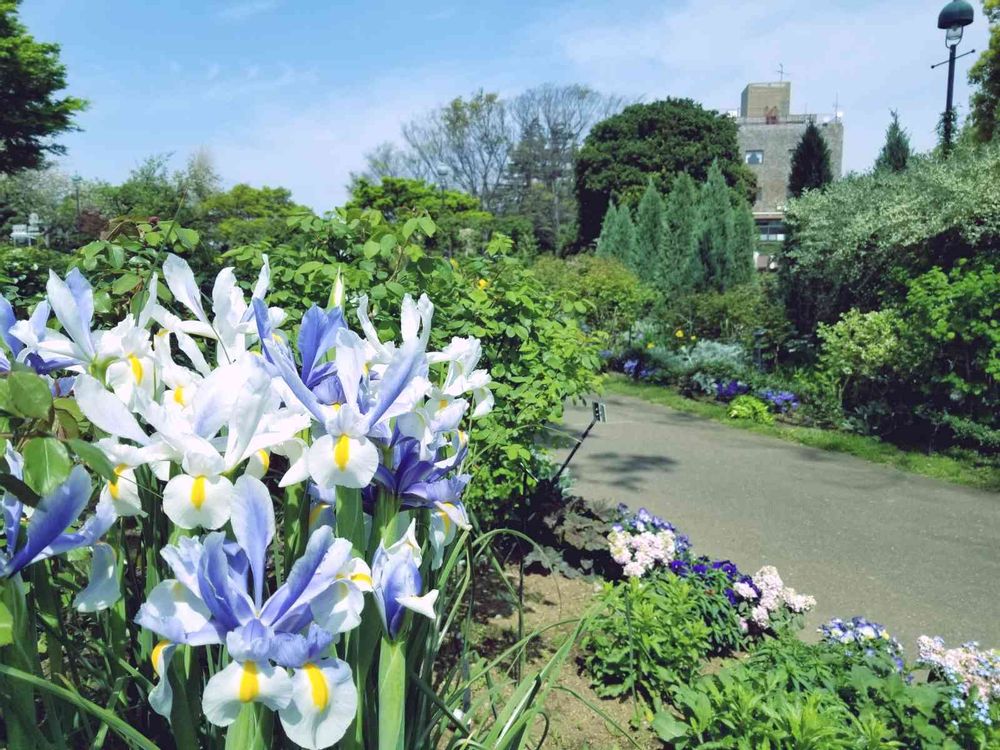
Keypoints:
pixel 895 152
pixel 654 141
pixel 31 113
pixel 810 163
pixel 985 76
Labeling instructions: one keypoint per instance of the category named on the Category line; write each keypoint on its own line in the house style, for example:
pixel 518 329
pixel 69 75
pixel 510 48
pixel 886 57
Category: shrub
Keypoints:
pixel 25 270
pixel 647 636
pixel 750 408
pixel 601 292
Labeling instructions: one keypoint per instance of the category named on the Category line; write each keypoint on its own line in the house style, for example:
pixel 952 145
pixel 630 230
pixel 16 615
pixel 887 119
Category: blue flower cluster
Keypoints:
pixel 780 401
pixel 635 369
pixel 642 520
pixel 728 390
pixel 870 638
pixel 701 567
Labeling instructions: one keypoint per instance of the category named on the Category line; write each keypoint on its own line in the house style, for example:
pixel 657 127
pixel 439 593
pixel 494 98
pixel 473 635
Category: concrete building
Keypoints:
pixel 768 135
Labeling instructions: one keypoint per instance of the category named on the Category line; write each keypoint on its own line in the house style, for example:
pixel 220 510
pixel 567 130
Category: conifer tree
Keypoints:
pixel 617 239
pixel 745 244
pixel 649 230
pixel 810 163
pixel 896 150
pixel 682 270
pixel 716 233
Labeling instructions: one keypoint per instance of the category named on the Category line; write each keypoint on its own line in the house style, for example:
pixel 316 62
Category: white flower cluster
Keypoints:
pixel 771 595
pixel 638 553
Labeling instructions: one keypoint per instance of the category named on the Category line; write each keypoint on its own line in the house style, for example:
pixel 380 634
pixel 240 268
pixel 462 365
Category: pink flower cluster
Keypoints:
pixel 771 595
pixel 638 553
pixel 967 666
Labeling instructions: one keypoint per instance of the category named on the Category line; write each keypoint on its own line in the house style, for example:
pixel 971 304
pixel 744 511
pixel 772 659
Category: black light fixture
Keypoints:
pixel 953 18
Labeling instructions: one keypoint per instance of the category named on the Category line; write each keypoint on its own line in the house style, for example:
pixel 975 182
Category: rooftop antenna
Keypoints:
pixel 781 72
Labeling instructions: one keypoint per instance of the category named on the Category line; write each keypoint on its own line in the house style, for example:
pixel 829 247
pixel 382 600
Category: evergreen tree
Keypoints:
pixel 682 270
pixel 810 163
pixel 716 233
pixel 896 151
pixel 649 230
pixel 618 238
pixel 745 244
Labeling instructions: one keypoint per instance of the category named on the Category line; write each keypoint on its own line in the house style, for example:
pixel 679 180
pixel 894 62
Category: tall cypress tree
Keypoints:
pixel 649 229
pixel 682 270
pixel 618 239
pixel 810 163
pixel 895 152
pixel 716 233
pixel 745 244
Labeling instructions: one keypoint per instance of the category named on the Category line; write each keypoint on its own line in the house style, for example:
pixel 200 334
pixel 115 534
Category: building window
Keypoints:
pixel 754 157
pixel 771 230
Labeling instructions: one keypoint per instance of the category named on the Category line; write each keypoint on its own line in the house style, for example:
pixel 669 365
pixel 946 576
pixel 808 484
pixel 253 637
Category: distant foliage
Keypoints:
pixel 618 238
pixel 895 153
pixel 984 75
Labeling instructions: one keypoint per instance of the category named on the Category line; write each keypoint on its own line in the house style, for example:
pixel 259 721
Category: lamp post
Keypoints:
pixel 77 179
pixel 443 173
pixel 954 17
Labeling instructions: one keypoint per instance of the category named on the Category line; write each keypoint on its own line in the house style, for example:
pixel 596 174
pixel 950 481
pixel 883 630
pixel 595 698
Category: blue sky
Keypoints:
pixel 293 92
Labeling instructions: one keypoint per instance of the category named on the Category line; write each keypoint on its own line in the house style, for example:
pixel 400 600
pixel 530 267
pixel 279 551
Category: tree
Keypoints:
pixel 650 230
pixel 810 163
pixel 658 141
pixel 716 232
pixel 745 237
pixel 245 215
pixel 985 76
pixel 30 112
pixel 895 152
pixel 617 238
pixel 682 270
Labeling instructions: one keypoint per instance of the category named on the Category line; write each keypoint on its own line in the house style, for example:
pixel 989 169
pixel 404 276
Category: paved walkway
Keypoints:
pixel 916 554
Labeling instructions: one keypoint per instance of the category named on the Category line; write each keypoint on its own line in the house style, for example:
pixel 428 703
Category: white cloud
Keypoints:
pixel 241 10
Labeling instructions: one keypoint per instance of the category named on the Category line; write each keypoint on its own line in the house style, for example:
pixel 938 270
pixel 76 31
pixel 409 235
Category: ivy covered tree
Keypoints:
pixel 649 230
pixel 682 270
pixel 810 163
pixel 654 141
pixel 716 232
pixel 31 113
pixel 985 76
pixel 895 152
pixel 618 237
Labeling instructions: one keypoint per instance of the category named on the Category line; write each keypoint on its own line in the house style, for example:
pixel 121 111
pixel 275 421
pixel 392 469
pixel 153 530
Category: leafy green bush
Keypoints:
pixel 602 292
pixel 24 271
pixel 647 637
pixel 858 242
pixel 751 409
pixel 790 694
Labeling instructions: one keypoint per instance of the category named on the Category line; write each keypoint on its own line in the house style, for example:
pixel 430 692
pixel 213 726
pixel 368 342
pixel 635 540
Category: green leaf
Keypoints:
pixel 427 225
pixel 388 242
pixel 30 395
pixel 125 282
pixel 46 464
pixel 668 727
pixel 94 458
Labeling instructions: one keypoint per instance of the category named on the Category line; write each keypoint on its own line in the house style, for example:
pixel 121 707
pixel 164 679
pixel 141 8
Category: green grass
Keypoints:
pixel 959 470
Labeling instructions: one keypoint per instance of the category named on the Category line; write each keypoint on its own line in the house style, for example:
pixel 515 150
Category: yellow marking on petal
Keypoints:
pixel 113 487
pixel 442 404
pixel 265 459
pixel 198 492
pixel 445 518
pixel 342 452
pixel 315 512
pixel 136 368
pixel 462 437
pixel 318 686
pixel 155 656
pixel 179 395
pixel 162 332
pixel 365 368
pixel 362 578
pixel 335 406
pixel 249 682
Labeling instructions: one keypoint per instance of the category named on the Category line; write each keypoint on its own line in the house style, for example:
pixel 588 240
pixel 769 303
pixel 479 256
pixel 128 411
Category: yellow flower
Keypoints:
pixel 482 283
pixel 650 345
pixel 693 338
pixel 454 263
pixel 679 333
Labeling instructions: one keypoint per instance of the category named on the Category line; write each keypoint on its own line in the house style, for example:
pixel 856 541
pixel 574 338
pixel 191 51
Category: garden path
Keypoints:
pixel 916 554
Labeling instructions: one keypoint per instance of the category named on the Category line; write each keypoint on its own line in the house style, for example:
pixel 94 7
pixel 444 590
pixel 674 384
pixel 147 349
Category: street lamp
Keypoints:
pixel 954 17
pixel 77 179
pixel 443 173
